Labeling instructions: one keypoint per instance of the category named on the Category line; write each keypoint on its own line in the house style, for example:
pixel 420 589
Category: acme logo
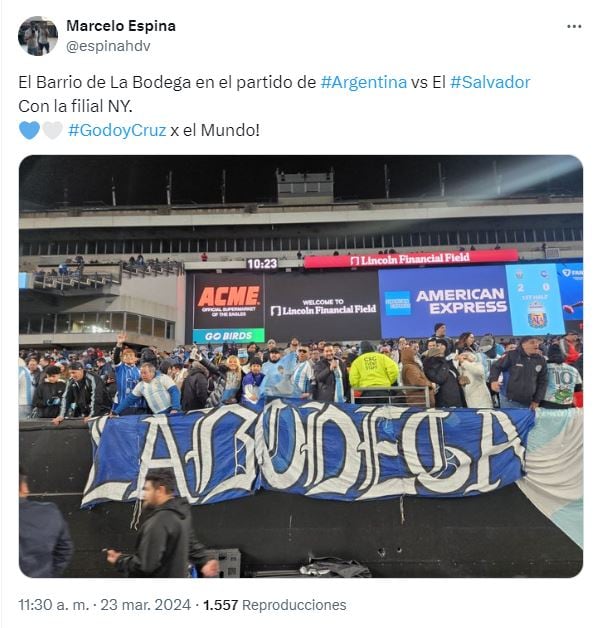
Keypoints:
pixel 229 295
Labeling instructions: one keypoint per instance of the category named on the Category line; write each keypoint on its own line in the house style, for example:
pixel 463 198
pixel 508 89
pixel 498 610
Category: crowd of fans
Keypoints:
pixel 466 372
pixel 140 264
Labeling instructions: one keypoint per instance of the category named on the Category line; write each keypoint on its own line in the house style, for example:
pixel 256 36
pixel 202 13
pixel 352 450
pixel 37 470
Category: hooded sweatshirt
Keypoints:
pixel 165 544
pixel 476 391
pixel 413 375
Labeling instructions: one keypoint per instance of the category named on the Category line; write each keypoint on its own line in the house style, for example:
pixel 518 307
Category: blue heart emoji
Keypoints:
pixel 29 129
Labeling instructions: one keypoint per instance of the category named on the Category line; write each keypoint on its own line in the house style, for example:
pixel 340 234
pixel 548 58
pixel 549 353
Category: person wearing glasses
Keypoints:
pixel 303 374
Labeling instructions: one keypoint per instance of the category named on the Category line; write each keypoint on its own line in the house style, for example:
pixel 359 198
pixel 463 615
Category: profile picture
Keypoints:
pixel 38 36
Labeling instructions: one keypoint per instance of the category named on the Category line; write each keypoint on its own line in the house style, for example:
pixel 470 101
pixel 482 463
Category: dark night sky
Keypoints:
pixel 142 179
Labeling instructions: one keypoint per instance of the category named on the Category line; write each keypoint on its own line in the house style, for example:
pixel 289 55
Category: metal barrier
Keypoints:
pixel 394 395
pixel 154 268
pixel 73 281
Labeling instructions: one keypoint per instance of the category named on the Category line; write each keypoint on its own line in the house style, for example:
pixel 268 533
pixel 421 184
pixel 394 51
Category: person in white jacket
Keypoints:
pixel 476 391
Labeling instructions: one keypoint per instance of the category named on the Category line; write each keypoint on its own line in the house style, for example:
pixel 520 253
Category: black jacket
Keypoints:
pixel 325 382
pixel 443 372
pixel 526 376
pixel 47 399
pixel 45 545
pixel 165 544
pixel 88 397
pixel 194 392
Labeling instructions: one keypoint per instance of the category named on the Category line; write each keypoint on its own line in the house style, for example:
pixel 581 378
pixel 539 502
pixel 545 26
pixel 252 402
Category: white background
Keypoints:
pixel 555 116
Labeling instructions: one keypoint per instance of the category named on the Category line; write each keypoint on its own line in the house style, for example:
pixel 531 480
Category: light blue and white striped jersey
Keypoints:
pixel 562 379
pixel 156 393
pixel 302 378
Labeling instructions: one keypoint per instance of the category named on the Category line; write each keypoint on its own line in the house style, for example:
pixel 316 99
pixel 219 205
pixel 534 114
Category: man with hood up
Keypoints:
pixel 371 369
pixel 413 375
pixel 166 543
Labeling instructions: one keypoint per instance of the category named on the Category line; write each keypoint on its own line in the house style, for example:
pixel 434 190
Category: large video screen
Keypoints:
pixel 517 299
pixel 322 306
pixel 465 298
pixel 571 285
pixel 534 299
pixel 513 299
pixel 243 307
pixel 225 307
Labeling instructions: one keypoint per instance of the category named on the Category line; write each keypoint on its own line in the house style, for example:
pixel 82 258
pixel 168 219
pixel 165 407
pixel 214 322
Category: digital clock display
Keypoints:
pixel 261 263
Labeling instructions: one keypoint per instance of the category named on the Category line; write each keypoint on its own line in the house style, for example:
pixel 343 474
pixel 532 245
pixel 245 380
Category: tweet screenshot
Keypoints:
pixel 296 293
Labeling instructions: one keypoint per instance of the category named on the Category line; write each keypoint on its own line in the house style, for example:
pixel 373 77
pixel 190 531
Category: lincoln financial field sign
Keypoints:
pixel 506 299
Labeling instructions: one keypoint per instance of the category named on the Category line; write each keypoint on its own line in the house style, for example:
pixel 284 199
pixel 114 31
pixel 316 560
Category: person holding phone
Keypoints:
pixel 331 382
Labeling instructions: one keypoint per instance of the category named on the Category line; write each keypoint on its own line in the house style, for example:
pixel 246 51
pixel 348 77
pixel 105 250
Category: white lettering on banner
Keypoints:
pixel 202 454
pixel 347 476
pixel 489 448
pixel 195 456
pixel 409 451
pixel 267 447
pixel 409 438
pixel 317 448
pixel 158 424
pixel 371 446
pixel 309 448
pixel 457 459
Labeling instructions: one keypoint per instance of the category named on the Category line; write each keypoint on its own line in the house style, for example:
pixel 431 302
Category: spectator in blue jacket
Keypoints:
pixel 127 375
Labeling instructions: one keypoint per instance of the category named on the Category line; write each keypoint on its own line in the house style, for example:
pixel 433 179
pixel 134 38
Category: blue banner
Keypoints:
pixel 351 452
pixel 212 454
pixel 329 451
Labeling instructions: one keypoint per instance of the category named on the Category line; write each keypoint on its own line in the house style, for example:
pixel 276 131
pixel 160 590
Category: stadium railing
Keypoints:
pixel 393 395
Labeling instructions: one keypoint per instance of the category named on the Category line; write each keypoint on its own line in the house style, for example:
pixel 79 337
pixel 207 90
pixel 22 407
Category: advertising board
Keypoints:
pixel 506 300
